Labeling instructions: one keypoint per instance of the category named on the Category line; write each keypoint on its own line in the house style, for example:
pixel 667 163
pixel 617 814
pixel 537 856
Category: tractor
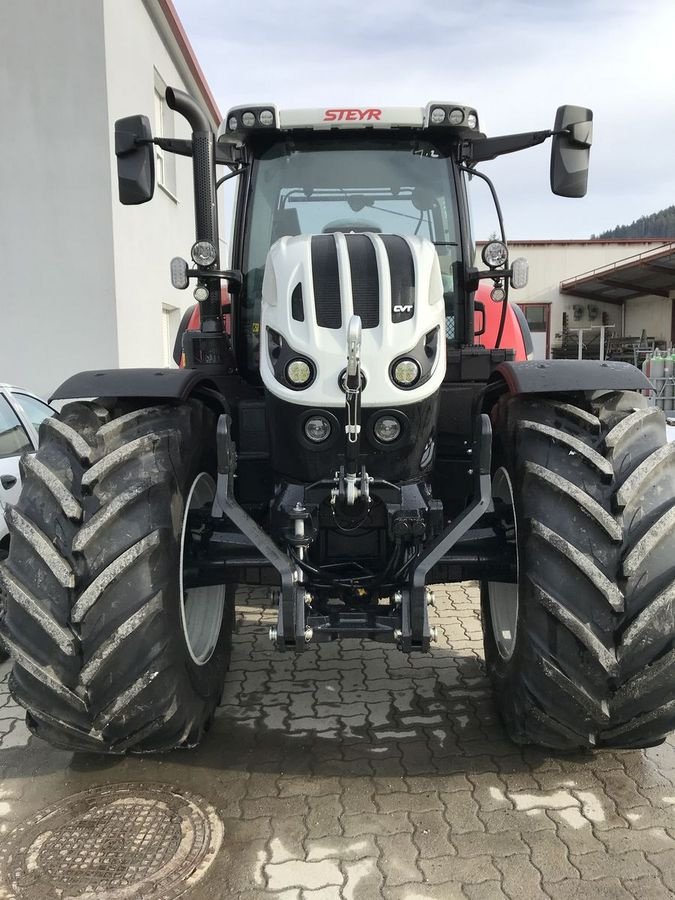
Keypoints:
pixel 338 431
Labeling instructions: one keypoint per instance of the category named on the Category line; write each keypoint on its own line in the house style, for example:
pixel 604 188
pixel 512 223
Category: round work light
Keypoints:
pixel 298 372
pixel 387 429
pixel 406 372
pixel 495 254
pixel 203 253
pixel 317 429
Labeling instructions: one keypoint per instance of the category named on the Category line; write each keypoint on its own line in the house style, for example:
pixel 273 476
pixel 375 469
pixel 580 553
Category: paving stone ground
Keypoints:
pixel 354 772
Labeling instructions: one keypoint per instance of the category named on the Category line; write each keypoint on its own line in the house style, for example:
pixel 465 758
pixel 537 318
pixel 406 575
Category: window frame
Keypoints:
pixel 163 126
pixel 28 432
pixel 22 411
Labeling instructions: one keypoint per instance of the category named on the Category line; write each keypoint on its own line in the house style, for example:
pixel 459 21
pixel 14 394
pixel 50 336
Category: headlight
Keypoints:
pixel 266 117
pixel 456 116
pixel 203 253
pixel 317 429
pixel 495 255
pixel 298 372
pixel 437 115
pixel 406 372
pixel 387 429
pixel 472 120
pixel 248 119
pixel 232 123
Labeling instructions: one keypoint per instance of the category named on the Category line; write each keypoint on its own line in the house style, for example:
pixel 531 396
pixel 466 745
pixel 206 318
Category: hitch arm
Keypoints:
pixel 416 616
pixel 291 626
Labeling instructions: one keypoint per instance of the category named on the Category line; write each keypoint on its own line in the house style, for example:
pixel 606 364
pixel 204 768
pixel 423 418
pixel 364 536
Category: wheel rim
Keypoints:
pixel 201 608
pixel 502 595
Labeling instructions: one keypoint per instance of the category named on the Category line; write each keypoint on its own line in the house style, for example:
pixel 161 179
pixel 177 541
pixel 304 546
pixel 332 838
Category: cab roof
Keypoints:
pixel 243 122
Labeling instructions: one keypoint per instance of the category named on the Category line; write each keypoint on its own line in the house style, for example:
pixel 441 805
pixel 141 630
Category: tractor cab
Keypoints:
pixel 353 172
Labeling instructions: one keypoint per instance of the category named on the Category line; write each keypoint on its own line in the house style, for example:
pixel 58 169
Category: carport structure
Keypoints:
pixel 629 283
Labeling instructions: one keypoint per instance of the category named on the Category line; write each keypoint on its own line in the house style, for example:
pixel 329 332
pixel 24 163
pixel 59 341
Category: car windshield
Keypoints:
pixel 320 186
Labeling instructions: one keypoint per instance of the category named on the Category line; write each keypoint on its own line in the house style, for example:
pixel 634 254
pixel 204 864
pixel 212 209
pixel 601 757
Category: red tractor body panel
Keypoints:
pixel 514 336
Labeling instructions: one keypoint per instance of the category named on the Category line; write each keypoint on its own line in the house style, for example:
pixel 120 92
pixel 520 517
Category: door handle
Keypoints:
pixel 8 481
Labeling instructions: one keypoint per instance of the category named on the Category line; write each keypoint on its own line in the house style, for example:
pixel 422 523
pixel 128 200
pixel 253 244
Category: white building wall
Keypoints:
pixel 553 262
pixel 57 306
pixel 147 236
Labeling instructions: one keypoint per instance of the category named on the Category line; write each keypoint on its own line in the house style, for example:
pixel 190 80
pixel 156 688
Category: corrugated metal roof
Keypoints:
pixel 649 273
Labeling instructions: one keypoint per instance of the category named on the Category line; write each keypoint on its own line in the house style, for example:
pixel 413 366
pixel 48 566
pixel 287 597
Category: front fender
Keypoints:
pixel 552 376
pixel 167 384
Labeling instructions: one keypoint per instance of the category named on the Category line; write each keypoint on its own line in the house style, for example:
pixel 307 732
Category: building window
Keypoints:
pixel 165 163
pixel 170 323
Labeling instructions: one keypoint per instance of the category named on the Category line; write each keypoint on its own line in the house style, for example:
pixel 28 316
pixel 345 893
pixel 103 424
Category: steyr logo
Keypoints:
pixel 398 308
pixel 352 115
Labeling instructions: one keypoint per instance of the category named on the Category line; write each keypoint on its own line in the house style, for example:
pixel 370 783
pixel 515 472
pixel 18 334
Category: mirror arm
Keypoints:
pixel 179 146
pixel 491 148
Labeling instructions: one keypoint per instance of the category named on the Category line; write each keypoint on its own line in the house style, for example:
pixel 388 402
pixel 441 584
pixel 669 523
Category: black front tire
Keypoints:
pixel 592 660
pixel 94 618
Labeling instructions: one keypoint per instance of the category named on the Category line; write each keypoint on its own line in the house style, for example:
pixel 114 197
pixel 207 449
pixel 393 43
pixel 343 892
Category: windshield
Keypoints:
pixel 392 186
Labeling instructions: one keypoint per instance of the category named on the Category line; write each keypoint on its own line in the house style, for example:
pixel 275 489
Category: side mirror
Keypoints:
pixel 135 160
pixel 571 150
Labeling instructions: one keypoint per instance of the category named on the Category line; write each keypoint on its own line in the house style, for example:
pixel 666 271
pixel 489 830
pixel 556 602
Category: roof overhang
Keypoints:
pixel 651 273
pixel 170 28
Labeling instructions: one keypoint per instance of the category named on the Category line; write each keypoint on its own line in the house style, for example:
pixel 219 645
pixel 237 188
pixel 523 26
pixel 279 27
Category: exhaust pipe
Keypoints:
pixel 206 208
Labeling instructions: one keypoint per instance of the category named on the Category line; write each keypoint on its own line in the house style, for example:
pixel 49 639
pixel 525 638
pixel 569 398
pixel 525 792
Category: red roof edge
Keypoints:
pixel 185 46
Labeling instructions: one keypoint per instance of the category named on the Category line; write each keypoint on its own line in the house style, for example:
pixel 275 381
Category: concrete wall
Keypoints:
pixel 148 236
pixel 57 287
pixel 552 262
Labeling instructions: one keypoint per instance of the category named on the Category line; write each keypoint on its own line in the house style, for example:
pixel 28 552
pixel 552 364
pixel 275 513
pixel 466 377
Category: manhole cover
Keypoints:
pixel 118 842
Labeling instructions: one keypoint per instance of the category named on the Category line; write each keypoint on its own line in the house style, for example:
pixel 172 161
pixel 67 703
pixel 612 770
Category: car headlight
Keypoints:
pixel 437 115
pixel 406 372
pixel 387 429
pixel 248 120
pixel 317 429
pixel 456 116
pixel 298 372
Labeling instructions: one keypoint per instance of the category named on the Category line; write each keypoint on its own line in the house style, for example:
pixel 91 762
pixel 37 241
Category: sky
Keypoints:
pixel 514 61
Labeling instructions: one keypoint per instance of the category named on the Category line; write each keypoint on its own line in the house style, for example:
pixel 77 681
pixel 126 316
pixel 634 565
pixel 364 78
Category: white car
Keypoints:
pixel 21 414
